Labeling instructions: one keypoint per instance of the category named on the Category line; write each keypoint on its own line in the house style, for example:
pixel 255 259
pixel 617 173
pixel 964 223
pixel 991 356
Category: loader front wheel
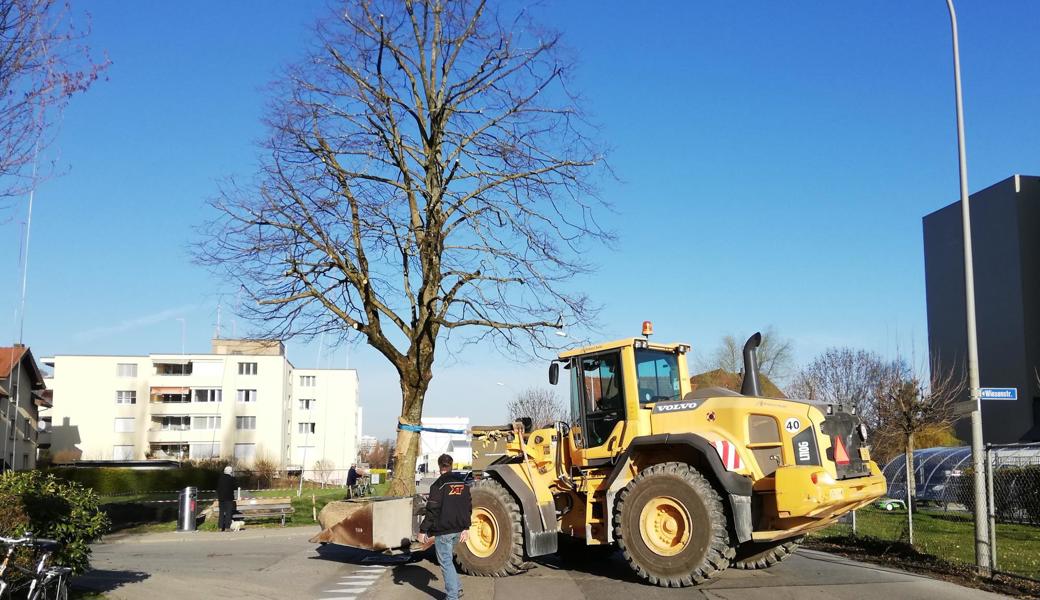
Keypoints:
pixel 752 555
pixel 671 527
pixel 495 547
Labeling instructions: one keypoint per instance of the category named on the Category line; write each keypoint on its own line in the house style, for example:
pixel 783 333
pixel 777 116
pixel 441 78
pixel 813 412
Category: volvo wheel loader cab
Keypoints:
pixel 684 482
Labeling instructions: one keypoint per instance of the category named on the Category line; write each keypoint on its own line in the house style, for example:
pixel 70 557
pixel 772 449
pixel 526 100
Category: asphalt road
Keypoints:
pixel 280 563
pixel 806 575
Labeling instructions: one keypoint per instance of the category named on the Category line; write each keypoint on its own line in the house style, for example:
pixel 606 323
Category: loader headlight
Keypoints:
pixel 863 432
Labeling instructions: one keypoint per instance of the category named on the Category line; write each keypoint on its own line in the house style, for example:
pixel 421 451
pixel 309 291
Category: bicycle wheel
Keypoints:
pixel 55 587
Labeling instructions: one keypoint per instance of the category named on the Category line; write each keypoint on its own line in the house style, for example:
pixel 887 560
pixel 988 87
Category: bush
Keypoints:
pixel 32 501
pixel 110 481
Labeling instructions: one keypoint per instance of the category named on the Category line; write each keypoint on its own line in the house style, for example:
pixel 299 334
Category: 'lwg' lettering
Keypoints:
pixel 803 451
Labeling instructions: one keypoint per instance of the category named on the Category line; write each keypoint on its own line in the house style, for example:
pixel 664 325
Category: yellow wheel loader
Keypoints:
pixel 686 483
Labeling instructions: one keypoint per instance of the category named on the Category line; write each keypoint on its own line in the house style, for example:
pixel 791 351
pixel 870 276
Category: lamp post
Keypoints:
pixel 982 550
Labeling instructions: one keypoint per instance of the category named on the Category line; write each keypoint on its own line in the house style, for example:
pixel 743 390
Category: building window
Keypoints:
pixel 204 450
pixel 122 452
pixel 208 395
pixel 247 395
pixel 307 404
pixel 125 425
pixel 208 422
pixel 308 380
pixel 171 423
pixel 245 422
pixel 245 368
pixel 245 453
pixel 126 397
pixel 305 427
pixel 126 370
pixel 171 395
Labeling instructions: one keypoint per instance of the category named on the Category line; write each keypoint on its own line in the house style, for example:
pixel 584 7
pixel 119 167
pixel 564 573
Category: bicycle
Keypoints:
pixel 42 582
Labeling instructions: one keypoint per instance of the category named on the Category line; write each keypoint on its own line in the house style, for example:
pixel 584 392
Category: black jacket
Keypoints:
pixel 225 487
pixel 448 507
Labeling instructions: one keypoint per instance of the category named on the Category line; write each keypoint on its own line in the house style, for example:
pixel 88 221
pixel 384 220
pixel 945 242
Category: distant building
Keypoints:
pixel 244 401
pixel 22 395
pixel 1005 221
pixel 432 444
pixel 367 443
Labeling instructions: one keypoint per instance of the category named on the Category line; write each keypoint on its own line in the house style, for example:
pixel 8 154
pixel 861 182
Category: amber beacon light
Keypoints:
pixel 648 329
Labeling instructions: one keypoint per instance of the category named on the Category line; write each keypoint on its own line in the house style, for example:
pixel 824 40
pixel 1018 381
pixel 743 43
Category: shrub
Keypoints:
pixel 32 501
pixel 110 481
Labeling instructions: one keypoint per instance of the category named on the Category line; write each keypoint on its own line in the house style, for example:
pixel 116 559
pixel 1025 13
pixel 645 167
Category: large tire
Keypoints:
pixel 685 540
pixel 496 544
pixel 754 555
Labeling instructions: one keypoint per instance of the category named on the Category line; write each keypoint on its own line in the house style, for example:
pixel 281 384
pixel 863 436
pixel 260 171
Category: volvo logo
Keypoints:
pixel 668 407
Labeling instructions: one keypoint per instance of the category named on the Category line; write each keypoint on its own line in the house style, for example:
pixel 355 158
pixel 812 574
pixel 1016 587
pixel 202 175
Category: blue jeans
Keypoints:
pixel 445 545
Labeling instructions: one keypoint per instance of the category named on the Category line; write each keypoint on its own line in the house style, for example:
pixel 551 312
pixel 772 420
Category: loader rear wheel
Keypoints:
pixel 495 547
pixel 753 555
pixel 671 527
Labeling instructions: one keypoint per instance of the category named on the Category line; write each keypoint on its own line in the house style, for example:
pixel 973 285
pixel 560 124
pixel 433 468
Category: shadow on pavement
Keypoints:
pixel 357 556
pixel 609 564
pixel 103 580
pixel 417 576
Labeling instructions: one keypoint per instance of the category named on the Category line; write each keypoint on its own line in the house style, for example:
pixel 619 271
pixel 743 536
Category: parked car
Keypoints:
pixel 890 504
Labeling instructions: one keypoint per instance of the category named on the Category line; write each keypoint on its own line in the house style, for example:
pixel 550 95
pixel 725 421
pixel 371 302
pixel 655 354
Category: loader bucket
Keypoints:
pixel 376 524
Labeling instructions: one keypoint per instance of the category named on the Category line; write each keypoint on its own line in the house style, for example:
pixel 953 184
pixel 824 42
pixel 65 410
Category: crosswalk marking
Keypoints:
pixel 350 586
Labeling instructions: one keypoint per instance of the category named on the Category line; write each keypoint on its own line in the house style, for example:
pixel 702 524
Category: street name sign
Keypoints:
pixel 990 393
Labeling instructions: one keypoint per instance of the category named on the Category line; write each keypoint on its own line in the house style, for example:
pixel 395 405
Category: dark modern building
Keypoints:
pixel 1005 221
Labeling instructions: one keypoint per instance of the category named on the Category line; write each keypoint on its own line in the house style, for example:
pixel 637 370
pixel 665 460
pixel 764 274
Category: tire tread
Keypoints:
pixel 720 552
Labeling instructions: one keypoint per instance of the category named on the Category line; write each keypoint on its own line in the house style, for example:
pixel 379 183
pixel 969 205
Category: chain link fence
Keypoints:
pixel 943 521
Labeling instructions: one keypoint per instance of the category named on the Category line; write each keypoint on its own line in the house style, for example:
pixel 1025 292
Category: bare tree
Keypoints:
pixel 844 376
pixel 426 180
pixel 909 404
pixel 323 470
pixel 42 64
pixel 775 355
pixel 541 405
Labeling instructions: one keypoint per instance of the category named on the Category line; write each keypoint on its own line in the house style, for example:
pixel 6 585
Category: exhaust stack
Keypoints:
pixel 750 386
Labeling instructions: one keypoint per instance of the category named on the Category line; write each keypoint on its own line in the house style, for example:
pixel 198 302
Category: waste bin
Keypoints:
pixel 186 508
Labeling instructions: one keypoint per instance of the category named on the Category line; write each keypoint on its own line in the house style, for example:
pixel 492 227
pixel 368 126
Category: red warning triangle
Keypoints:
pixel 841 455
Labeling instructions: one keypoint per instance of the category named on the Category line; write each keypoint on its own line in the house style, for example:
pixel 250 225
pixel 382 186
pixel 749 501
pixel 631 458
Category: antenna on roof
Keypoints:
pixel 216 333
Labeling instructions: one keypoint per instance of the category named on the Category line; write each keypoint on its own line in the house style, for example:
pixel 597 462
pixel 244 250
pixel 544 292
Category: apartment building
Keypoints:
pixel 245 400
pixel 22 395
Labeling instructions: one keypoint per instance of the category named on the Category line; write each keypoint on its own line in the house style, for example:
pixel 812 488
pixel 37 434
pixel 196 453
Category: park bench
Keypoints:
pixel 261 509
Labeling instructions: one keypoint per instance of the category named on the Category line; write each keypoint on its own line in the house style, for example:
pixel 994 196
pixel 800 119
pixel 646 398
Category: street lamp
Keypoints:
pixel 982 550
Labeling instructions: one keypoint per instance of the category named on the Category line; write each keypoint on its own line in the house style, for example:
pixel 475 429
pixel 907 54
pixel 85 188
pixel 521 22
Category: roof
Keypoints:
pixel 614 345
pixel 8 357
pixel 13 355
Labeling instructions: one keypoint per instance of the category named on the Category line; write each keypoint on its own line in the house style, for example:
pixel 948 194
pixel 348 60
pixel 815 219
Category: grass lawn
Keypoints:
pixel 949 536
pixel 302 505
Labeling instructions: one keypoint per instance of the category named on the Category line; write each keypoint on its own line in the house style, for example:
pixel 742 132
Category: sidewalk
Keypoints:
pixel 164 537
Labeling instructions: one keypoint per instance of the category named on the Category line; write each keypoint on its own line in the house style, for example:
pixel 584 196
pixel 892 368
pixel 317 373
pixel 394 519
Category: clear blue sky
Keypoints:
pixel 775 162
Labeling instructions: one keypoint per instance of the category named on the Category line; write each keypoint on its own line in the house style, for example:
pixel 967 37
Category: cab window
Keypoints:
pixel 602 394
pixel 658 374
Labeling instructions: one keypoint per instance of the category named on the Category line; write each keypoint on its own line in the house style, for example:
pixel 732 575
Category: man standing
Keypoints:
pixel 226 497
pixel 447 520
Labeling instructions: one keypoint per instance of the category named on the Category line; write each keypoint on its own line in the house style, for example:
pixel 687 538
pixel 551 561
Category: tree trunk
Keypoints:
pixel 413 392
pixel 911 487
